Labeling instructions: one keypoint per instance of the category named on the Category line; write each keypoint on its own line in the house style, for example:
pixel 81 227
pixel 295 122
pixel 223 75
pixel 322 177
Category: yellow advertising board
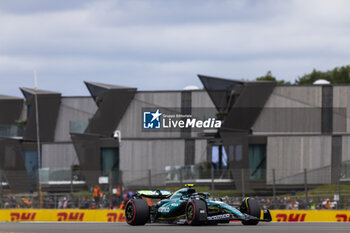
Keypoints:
pixel 78 215
pixel 62 215
pixel 310 215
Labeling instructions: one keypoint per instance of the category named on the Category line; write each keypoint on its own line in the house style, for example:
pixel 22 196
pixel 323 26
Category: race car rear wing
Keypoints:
pixel 153 194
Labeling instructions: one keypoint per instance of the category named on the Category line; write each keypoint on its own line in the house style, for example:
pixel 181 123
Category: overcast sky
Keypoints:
pixel 159 44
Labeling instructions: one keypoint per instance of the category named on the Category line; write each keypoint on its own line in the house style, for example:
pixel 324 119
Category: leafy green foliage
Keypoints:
pixel 269 77
pixel 337 75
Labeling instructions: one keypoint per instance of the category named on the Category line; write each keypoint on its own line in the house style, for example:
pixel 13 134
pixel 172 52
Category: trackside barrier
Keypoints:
pixel 61 215
pixel 78 215
pixel 310 215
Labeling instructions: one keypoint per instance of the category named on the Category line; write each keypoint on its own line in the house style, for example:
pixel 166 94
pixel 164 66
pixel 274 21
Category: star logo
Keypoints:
pixel 151 120
pixel 156 115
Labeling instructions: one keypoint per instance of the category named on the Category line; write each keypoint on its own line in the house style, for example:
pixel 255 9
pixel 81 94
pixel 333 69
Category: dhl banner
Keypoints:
pixel 310 215
pixel 78 215
pixel 61 215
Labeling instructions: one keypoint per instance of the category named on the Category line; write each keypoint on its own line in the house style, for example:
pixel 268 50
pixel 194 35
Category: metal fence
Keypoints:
pixel 85 201
pixel 275 188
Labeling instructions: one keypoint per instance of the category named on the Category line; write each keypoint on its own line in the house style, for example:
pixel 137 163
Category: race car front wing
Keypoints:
pixel 229 217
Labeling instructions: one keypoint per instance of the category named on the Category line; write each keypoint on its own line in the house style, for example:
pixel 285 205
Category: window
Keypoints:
pixel 110 162
pixel 257 161
pixel 30 158
pixel 218 157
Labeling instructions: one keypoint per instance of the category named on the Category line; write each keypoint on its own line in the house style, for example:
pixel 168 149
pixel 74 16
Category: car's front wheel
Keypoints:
pixel 196 212
pixel 250 206
pixel 137 212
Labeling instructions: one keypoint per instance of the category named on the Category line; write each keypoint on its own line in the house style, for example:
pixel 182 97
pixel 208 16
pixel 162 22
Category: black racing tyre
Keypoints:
pixel 250 206
pixel 137 212
pixel 196 212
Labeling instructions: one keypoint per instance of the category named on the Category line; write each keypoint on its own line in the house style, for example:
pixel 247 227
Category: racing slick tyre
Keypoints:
pixel 196 212
pixel 250 206
pixel 137 212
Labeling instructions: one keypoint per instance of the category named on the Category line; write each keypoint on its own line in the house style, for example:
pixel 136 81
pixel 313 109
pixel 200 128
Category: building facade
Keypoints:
pixel 269 134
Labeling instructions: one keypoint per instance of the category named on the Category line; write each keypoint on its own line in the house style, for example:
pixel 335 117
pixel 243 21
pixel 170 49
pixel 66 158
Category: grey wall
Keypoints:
pixel 200 151
pixel 151 154
pixel 346 148
pixel 295 96
pixel 289 155
pixel 272 120
pixel 137 156
pixel 73 109
pixel 341 99
pixel 58 155
pixel 201 99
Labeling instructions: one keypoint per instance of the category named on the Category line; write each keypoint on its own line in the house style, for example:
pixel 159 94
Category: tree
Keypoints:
pixel 337 75
pixel 269 77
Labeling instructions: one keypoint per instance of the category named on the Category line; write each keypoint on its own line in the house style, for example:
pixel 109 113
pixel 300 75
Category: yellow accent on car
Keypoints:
pixel 169 195
pixel 163 218
pixel 246 201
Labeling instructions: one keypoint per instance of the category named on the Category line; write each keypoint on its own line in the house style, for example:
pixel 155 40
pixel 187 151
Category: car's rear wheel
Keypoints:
pixel 196 212
pixel 137 212
pixel 250 206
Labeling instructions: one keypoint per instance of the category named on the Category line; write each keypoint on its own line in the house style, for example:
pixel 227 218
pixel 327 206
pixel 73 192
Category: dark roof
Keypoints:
pixel 107 86
pixel 201 76
pixel 6 97
pixel 38 91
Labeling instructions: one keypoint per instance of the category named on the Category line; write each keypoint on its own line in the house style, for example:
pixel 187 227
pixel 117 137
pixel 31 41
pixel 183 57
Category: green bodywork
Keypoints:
pixel 174 205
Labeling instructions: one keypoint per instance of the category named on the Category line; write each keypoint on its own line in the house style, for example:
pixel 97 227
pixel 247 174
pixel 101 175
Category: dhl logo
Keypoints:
pixel 290 217
pixel 22 217
pixel 73 216
pixel 342 218
pixel 114 217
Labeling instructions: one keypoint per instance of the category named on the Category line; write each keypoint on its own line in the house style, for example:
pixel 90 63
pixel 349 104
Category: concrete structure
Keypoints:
pixel 265 128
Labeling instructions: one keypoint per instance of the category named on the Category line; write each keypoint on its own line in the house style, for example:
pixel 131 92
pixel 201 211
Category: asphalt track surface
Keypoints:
pixel 162 228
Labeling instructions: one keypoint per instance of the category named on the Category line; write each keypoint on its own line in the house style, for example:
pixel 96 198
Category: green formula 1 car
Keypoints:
pixel 186 206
